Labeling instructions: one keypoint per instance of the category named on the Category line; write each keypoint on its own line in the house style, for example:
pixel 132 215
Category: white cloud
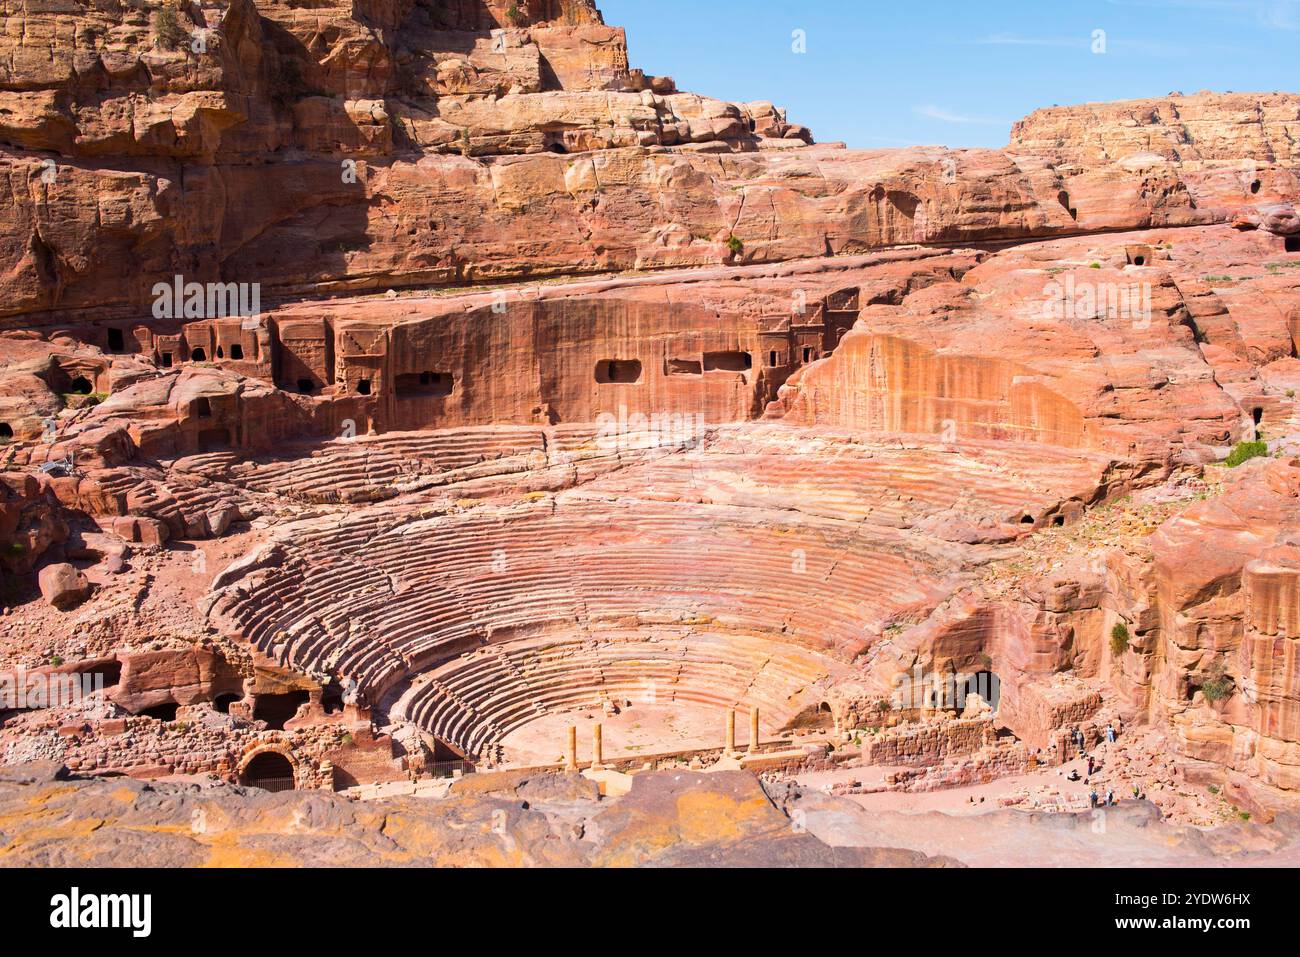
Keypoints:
pixel 1282 15
pixel 1013 40
pixel 1114 43
pixel 933 112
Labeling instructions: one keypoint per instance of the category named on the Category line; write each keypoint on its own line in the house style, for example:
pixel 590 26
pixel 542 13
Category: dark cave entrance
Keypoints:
pixel 276 709
pixel 983 683
pixel 269 771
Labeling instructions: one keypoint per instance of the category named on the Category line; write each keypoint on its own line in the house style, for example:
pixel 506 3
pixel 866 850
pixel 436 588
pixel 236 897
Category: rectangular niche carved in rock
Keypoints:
pixel 728 362
pixel 618 370
pixel 424 383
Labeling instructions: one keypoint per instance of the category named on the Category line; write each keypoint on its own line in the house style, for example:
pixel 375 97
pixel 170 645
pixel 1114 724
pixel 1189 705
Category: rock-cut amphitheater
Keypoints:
pixel 397 396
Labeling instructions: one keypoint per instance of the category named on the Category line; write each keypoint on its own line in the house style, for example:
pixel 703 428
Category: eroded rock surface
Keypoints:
pixel 385 386
pixel 669 819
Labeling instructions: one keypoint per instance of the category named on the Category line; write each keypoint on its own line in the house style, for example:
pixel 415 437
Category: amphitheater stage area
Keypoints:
pixel 666 691
pixel 640 731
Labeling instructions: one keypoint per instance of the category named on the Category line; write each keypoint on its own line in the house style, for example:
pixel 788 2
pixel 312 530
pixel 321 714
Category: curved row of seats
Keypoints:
pixel 733 540
pixel 379 595
pixel 476 701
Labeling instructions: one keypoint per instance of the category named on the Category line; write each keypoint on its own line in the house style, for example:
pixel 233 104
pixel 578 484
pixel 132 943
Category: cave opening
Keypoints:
pixel 306 386
pixel 424 383
pixel 110 673
pixel 728 362
pixel 627 371
pixel 269 771
pixel 983 683
pixel 80 386
pixel 162 712
pixel 236 351
pixel 197 354
pixel 6 430
pixel 1292 244
pixel 683 367
pixel 276 709
pixel 213 440
pixel 116 341
pixel 331 699
pixel 222 702
pixel 363 387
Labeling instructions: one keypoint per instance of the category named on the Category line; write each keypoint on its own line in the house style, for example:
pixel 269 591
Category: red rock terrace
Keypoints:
pixel 570 400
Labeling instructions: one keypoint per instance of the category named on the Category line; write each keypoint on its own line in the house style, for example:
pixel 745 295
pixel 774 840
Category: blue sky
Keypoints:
pixel 881 73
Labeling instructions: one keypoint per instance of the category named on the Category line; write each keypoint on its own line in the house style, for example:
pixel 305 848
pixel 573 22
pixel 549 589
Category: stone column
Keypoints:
pixel 597 758
pixel 572 763
pixel 731 731
pixel 753 730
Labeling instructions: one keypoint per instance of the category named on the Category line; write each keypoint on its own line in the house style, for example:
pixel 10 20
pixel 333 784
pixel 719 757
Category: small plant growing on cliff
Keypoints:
pixel 1119 638
pixel 56 660
pixel 516 16
pixel 735 245
pixel 167 24
pixel 1244 452
pixel 1217 684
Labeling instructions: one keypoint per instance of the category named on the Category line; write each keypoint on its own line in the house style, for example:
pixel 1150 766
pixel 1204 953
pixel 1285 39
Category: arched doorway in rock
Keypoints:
pixel 268 770
pixel 222 702
pixel 80 386
pixel 162 712
pixel 826 717
pixel 983 683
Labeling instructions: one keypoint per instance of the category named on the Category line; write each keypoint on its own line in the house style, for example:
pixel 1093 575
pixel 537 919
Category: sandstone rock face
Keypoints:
pixel 449 379
pixel 669 820
pixel 397 163
pixel 1204 128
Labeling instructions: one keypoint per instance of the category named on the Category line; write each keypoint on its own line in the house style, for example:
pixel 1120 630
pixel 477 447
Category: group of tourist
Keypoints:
pixel 1094 799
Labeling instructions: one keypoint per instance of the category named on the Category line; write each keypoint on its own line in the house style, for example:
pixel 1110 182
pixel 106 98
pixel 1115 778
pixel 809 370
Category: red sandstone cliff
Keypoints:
pixel 940 393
